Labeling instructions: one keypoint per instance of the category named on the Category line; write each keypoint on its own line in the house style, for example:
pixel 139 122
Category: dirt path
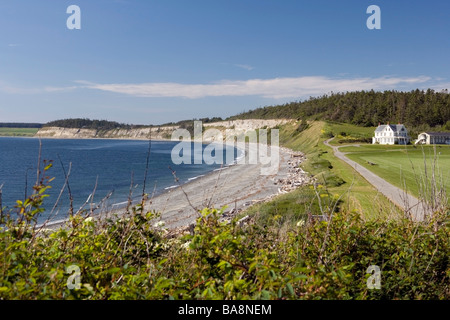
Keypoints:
pixel 407 202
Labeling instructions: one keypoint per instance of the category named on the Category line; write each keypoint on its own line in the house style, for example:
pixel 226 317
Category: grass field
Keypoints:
pixel 18 132
pixel 405 165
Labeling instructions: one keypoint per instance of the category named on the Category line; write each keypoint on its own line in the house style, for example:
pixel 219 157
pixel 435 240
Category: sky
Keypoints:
pixel 158 61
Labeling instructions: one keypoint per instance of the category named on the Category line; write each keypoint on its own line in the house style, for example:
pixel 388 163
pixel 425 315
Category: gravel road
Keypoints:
pixel 407 202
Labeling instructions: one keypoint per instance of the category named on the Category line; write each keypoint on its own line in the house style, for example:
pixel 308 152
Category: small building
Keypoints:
pixel 433 138
pixel 391 134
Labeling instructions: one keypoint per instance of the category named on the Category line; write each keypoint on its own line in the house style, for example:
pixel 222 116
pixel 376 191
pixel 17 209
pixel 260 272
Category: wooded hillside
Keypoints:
pixel 366 108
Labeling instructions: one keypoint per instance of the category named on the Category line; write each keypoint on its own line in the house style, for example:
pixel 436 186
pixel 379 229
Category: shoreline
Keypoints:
pixel 237 186
pixel 81 138
pixel 119 208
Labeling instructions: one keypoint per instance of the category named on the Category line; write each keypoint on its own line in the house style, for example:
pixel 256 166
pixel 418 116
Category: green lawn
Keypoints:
pixel 405 166
pixel 18 132
pixel 373 148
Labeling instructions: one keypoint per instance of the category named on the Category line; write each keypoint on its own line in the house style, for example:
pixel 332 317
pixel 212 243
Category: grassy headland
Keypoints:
pixel 18 132
pixel 19 129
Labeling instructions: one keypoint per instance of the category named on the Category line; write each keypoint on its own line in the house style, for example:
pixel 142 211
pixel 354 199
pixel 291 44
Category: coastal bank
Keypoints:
pixel 234 127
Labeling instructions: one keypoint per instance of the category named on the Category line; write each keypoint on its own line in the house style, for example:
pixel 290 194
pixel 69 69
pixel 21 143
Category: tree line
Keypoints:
pixel 84 123
pixel 80 123
pixel 416 108
pixel 20 125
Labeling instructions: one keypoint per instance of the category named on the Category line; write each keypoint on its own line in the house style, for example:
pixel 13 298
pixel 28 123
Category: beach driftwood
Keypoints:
pixel 296 176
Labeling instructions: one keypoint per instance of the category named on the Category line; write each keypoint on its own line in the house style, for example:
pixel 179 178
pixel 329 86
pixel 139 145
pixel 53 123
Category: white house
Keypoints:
pixel 391 134
pixel 433 138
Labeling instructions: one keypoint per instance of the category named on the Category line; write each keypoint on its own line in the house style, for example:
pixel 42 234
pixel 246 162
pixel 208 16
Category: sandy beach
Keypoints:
pixel 237 187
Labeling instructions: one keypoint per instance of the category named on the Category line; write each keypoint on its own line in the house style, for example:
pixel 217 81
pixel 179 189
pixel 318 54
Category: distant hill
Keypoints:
pixel 79 123
pixel 20 125
pixel 366 108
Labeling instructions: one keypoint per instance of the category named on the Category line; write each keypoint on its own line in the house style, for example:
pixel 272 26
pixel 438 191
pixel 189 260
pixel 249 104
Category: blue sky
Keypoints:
pixel 156 61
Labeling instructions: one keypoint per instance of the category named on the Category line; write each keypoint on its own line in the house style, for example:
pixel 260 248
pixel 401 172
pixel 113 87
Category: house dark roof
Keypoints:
pixel 440 134
pixel 394 127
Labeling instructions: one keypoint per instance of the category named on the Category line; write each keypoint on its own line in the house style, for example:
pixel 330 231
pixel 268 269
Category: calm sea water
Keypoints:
pixel 109 164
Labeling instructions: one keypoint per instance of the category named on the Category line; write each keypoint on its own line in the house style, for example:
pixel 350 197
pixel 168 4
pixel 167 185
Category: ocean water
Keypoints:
pixel 102 165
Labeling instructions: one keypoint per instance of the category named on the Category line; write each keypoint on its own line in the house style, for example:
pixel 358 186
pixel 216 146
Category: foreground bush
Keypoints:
pixel 131 257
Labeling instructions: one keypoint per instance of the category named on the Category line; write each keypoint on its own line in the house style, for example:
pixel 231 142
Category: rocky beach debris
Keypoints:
pixel 296 176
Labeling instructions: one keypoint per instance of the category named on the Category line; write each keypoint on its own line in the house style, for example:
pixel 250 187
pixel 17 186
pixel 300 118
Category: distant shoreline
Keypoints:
pixel 84 138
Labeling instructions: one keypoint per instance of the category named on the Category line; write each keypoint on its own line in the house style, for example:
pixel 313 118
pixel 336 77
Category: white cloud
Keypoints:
pixel 267 88
pixel 60 89
pixel 245 66
pixel 276 88
pixel 25 91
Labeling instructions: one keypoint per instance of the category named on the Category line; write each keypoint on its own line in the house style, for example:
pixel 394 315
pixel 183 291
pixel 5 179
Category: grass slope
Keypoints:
pixel 338 178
